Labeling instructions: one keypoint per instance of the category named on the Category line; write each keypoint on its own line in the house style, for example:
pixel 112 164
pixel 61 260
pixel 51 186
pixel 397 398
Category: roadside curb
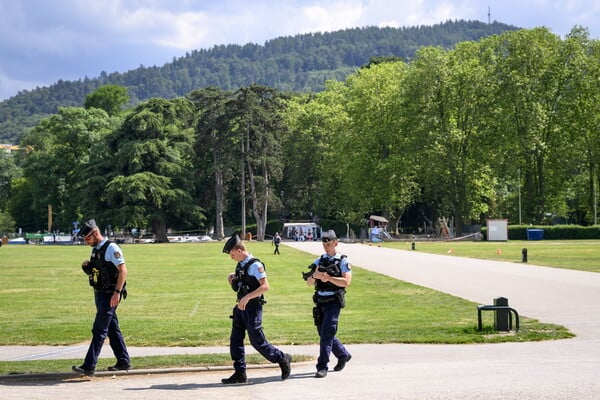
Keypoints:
pixel 60 376
pixel 114 374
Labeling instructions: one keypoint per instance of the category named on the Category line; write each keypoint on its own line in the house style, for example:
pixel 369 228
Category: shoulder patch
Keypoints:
pixel 117 254
pixel 261 269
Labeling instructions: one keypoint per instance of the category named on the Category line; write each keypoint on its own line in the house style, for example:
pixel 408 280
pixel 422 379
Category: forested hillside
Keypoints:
pixel 299 63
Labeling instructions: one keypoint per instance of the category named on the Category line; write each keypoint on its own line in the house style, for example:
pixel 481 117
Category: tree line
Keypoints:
pixel 504 127
pixel 302 63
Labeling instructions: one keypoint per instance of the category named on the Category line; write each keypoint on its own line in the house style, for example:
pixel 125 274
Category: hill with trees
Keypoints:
pixel 301 63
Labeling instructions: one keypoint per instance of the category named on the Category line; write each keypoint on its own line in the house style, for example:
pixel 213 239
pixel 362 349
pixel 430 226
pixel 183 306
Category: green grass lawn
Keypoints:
pixel 179 296
pixel 583 255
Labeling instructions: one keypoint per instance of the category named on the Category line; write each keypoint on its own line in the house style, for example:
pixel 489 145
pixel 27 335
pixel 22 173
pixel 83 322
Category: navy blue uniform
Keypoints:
pixel 250 320
pixel 329 307
pixel 106 323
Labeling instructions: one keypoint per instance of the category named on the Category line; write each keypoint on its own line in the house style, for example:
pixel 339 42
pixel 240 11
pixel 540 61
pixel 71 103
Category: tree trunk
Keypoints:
pixel 159 227
pixel 220 200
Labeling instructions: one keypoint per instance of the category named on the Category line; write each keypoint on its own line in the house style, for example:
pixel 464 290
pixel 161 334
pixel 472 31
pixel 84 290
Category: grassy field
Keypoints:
pixel 583 255
pixel 179 296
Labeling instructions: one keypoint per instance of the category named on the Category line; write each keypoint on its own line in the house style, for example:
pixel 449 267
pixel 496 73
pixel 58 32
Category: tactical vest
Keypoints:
pixel 104 274
pixel 243 283
pixel 334 269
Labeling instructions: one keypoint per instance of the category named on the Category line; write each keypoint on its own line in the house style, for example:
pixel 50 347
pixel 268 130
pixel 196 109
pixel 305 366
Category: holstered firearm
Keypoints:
pixel 317 316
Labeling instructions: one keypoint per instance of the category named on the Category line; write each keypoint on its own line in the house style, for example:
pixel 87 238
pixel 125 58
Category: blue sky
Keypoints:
pixel 42 41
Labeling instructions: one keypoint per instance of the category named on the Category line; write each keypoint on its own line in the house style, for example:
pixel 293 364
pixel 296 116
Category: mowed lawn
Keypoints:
pixel 179 296
pixel 583 255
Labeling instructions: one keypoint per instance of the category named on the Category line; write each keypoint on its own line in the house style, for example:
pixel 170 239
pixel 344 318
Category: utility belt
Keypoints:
pixel 110 291
pixel 339 296
pixel 257 300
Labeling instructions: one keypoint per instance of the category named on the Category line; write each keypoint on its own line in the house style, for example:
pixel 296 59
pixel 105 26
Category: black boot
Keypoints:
pixel 342 363
pixel 82 371
pixel 285 366
pixel 237 377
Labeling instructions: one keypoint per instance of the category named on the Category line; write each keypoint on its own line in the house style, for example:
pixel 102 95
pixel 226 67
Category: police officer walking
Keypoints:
pixel 330 274
pixel 107 274
pixel 250 282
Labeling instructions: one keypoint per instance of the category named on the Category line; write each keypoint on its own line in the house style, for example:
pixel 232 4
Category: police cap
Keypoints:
pixel 233 241
pixel 87 228
pixel 329 236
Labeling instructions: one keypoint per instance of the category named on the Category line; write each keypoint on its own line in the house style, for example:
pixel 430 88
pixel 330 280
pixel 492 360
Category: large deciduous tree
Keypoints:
pixel 110 98
pixel 582 123
pixel 254 113
pixel 531 84
pixel 378 166
pixel 57 152
pixel 214 144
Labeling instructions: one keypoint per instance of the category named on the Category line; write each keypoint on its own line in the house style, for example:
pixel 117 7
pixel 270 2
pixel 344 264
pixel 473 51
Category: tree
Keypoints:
pixel 8 172
pixel 7 223
pixel 152 158
pixel 531 76
pixel 377 144
pixel 214 142
pixel 313 120
pixel 254 114
pixel 59 149
pixel 582 123
pixel 447 102
pixel 110 98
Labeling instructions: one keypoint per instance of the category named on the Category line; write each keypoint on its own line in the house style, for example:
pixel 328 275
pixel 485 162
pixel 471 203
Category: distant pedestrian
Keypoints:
pixel 250 282
pixel 330 274
pixel 276 242
pixel 107 274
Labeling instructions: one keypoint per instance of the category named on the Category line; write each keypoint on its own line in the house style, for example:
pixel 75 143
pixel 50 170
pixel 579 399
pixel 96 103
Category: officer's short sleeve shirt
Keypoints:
pixel 113 253
pixel 256 269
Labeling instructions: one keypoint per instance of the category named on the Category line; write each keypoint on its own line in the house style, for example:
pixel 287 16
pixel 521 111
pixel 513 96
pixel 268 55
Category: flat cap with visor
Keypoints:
pixel 231 243
pixel 87 228
pixel 329 236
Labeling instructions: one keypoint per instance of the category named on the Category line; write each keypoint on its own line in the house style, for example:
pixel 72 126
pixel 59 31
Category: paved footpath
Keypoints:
pixel 564 369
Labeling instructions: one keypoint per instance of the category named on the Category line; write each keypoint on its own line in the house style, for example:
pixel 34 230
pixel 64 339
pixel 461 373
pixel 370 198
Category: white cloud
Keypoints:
pixel 9 86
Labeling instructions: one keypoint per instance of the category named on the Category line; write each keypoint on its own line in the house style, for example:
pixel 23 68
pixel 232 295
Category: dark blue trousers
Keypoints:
pixel 106 324
pixel 250 320
pixel 329 343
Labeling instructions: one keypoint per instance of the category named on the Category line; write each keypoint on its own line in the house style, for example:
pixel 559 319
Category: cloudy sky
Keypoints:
pixel 42 41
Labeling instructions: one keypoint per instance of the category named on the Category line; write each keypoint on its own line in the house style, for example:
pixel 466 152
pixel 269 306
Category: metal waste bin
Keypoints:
pixel 501 317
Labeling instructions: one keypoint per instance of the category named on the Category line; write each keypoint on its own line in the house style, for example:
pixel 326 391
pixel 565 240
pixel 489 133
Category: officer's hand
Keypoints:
pixel 243 302
pixel 230 277
pixel 85 267
pixel 115 299
pixel 323 276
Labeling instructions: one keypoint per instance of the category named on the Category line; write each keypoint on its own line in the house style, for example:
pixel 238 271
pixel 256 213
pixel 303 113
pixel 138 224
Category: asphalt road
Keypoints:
pixel 564 369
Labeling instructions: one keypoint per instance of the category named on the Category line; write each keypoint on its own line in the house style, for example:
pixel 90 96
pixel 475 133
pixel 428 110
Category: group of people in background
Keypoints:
pixel 330 275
